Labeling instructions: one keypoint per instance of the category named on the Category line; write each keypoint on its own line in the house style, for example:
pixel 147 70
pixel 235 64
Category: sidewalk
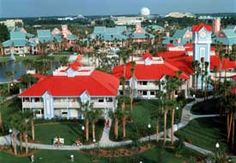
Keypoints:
pixel 105 142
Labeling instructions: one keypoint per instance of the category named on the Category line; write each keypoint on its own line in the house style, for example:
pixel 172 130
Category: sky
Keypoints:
pixel 36 8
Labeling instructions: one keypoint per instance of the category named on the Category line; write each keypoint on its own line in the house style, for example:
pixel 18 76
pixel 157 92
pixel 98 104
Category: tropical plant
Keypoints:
pixel 95 114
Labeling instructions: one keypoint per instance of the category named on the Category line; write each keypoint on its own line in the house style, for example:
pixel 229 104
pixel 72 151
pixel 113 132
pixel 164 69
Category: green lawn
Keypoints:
pixel 69 130
pixel 144 112
pixel 205 132
pixel 206 107
pixel 153 155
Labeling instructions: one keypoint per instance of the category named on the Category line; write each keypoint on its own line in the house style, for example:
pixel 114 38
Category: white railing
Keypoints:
pixel 103 104
pixel 65 104
pixel 32 104
pixel 147 87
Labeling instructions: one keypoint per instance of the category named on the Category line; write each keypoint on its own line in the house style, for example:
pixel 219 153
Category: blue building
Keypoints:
pixel 180 37
pixel 201 53
pixel 20 43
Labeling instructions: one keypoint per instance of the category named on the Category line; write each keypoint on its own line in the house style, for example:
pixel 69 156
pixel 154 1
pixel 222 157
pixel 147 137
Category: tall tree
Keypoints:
pixel 4 33
pixel 95 115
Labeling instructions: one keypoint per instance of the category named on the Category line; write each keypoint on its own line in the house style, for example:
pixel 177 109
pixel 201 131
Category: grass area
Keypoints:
pixel 69 130
pixel 210 106
pixel 205 132
pixel 156 154
pixel 144 112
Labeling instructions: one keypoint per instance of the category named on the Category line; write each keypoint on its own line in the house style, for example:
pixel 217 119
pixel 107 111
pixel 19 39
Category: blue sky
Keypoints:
pixel 25 8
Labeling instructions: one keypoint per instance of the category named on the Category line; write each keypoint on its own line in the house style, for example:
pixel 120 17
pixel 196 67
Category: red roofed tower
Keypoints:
pixel 201 51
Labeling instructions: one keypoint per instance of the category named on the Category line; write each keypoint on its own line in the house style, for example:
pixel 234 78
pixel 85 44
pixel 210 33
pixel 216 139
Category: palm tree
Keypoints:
pixel 95 115
pixel 230 103
pixel 125 115
pixel 132 70
pixel 86 108
pixel 28 80
pixel 197 70
pixel 172 85
pixel 116 116
pixel 10 76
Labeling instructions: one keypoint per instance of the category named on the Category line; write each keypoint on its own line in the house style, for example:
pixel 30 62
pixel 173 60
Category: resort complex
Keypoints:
pixel 120 88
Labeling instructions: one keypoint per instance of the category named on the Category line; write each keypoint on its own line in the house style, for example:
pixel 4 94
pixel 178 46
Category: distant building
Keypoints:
pixel 180 15
pixel 125 20
pixel 216 26
pixel 12 22
pixel 155 28
pixel 180 37
pixel 20 43
pixel 227 37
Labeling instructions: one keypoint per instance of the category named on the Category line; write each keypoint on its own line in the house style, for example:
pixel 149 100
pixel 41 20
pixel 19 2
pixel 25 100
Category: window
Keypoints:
pixel 101 100
pixel 144 82
pixel 144 92
pixel 64 113
pixel 152 92
pixel 202 52
pixel 37 99
pixel 121 92
pixel 109 99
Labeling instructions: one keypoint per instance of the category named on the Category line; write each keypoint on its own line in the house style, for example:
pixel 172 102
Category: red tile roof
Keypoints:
pixel 198 27
pixel 148 72
pixel 233 90
pixel 184 62
pixel 96 84
pixel 233 77
pixel 147 55
pixel 226 63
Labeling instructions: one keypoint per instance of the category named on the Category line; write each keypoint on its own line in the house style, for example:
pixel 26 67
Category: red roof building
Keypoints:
pixel 61 94
pixel 147 70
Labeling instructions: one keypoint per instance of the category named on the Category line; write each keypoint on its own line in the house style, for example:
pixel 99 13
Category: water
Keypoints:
pixel 19 69
pixel 11 66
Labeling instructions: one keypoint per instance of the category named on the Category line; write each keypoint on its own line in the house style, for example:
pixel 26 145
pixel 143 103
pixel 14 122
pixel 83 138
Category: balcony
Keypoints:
pixel 147 87
pixel 64 104
pixel 32 104
pixel 97 104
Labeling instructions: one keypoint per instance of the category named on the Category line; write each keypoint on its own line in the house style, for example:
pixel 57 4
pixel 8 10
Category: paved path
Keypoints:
pixel 187 116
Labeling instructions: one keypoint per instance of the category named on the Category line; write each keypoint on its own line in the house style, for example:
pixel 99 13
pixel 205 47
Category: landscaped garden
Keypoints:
pixel 69 130
pixel 46 130
pixel 155 154
pixel 211 106
pixel 145 112
pixel 205 133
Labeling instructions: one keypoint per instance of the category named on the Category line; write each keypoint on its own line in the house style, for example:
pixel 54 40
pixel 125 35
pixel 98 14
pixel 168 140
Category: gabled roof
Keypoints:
pixel 72 37
pixel 181 32
pixel 109 33
pixel 148 72
pixel 17 35
pixel 198 27
pixel 44 35
pixel 96 84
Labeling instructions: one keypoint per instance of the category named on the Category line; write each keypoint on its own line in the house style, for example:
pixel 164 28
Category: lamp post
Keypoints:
pixel 94 141
pixel 83 129
pixel 72 158
pixel 149 127
pixel 10 132
pixel 217 152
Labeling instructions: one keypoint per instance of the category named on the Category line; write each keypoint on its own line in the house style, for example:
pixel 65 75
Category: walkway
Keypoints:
pixel 105 142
